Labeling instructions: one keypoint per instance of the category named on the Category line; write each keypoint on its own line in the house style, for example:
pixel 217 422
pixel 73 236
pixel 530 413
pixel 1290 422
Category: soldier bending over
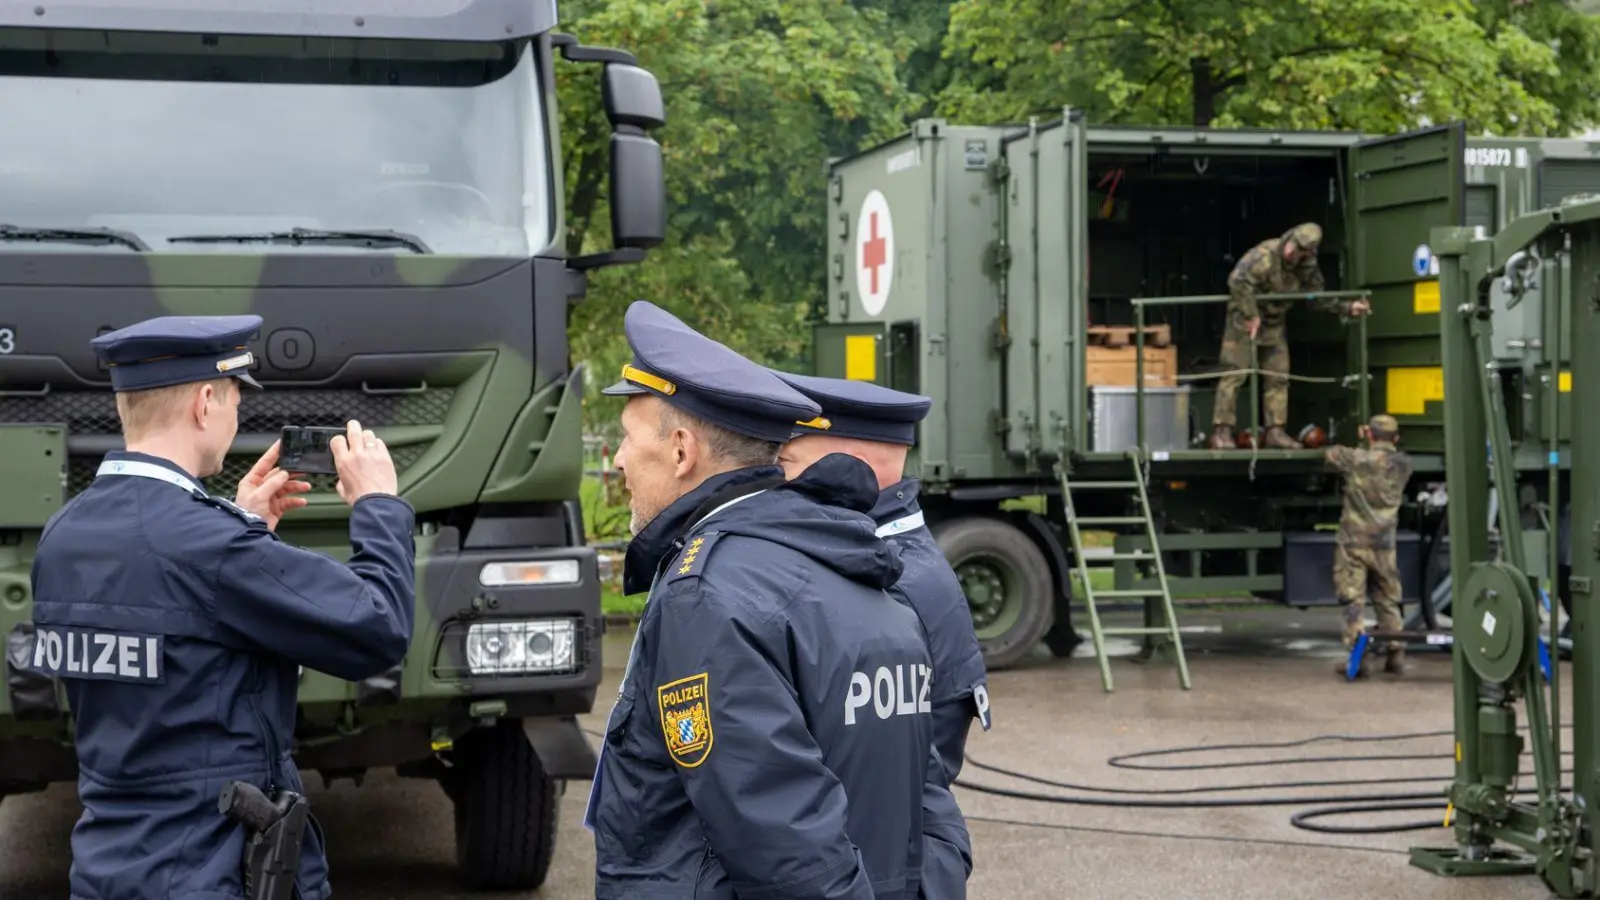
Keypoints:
pixel 1374 486
pixel 1279 265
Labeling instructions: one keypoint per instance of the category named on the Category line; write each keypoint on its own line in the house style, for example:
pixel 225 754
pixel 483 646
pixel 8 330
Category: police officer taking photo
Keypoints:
pixel 772 736
pixel 177 621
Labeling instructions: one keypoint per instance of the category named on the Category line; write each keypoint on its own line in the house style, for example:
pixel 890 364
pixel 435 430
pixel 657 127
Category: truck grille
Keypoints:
pixel 81 469
pixel 95 413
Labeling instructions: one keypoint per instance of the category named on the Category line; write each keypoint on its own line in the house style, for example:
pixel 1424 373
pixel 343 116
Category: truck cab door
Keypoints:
pixel 1399 188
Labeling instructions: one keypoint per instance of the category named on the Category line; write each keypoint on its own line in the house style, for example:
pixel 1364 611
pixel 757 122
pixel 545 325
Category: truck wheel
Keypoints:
pixel 1007 583
pixel 505 810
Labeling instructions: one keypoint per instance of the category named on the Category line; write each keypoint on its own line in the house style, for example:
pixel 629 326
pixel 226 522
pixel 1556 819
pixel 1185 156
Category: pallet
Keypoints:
pixel 1118 366
pixel 1122 335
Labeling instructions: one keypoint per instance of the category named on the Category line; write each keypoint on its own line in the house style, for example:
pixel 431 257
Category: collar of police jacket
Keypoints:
pixel 666 533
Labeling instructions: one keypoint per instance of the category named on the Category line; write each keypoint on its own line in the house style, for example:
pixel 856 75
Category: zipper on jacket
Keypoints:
pixel 275 775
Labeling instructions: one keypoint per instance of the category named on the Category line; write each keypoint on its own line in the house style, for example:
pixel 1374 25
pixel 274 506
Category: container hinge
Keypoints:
pixel 999 256
pixel 998 422
pixel 999 170
pixel 1002 337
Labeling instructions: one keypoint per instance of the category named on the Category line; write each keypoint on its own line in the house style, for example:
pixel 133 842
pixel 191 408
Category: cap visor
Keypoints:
pixel 248 379
pixel 623 388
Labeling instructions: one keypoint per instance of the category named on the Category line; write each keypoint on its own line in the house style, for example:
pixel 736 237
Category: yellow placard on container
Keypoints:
pixel 1409 389
pixel 1564 382
pixel 1425 297
pixel 861 357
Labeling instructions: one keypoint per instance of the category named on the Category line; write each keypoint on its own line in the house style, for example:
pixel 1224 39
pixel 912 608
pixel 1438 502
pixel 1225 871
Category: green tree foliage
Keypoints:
pixel 1574 33
pixel 926 70
pixel 1374 65
pixel 759 93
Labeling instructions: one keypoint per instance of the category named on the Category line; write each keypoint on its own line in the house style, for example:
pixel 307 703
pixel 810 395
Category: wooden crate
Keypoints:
pixel 1118 366
pixel 1122 335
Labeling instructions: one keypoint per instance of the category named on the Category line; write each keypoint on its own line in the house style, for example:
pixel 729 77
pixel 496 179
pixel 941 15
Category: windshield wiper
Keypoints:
pixel 312 236
pixel 73 236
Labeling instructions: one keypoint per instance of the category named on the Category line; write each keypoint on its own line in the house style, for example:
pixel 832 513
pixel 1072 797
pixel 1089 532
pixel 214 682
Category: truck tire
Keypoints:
pixel 505 809
pixel 1007 582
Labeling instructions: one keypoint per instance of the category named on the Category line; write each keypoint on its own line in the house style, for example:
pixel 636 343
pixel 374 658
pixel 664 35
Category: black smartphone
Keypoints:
pixel 306 451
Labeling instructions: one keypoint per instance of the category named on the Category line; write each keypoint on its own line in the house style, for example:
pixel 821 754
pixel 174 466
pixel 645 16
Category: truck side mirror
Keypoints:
pixel 632 96
pixel 638 192
pixel 632 100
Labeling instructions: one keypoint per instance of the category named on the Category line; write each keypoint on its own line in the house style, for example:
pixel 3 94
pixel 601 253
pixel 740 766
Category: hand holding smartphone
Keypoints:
pixel 306 450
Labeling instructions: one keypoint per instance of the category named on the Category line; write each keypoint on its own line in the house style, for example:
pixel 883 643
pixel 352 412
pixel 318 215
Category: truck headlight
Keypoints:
pixel 541 646
pixel 533 572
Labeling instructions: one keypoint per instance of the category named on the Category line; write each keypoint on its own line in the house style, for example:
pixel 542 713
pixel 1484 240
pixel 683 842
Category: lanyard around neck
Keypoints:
pixel 148 470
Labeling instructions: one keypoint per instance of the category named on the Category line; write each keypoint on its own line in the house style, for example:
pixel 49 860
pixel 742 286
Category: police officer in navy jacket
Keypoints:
pixel 878 426
pixel 772 735
pixel 177 620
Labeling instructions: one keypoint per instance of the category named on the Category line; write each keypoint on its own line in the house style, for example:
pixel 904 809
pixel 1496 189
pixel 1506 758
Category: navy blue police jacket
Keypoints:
pixel 772 735
pixel 176 623
pixel 960 690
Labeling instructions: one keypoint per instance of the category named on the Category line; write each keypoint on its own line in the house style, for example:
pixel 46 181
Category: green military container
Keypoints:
pixel 384 188
pixel 996 269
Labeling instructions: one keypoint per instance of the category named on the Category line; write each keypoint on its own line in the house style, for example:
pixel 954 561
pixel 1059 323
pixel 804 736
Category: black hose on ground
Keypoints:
pixel 1305 820
pixel 1122 761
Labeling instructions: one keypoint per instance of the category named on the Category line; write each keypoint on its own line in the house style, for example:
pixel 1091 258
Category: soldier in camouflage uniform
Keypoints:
pixel 1374 486
pixel 1286 264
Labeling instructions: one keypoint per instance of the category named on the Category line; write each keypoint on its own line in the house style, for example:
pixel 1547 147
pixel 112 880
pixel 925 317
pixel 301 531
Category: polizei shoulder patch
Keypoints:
pixel 685 707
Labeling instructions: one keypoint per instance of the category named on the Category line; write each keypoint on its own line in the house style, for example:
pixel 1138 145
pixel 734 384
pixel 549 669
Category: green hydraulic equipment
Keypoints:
pixel 1160 622
pixel 1498 828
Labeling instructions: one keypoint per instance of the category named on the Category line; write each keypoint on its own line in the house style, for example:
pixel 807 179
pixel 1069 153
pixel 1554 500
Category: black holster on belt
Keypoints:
pixel 272 843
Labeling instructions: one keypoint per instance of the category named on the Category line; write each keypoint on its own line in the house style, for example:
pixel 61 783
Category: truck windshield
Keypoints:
pixel 163 136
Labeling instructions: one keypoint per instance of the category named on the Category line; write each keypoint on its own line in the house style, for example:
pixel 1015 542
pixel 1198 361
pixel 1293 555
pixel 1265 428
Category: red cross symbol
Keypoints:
pixel 873 252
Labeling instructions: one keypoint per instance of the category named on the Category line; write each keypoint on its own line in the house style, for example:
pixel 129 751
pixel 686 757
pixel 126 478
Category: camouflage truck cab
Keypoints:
pixel 385 190
pixel 995 268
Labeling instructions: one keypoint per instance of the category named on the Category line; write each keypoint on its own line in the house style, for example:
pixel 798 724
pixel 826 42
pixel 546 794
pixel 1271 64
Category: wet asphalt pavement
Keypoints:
pixel 1259 677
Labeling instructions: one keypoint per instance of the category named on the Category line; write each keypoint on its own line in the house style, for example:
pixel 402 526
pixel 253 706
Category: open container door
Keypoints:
pixel 1071 318
pixel 1400 188
pixel 1045 230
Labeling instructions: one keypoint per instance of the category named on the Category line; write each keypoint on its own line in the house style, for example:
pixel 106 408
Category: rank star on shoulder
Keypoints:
pixel 689 556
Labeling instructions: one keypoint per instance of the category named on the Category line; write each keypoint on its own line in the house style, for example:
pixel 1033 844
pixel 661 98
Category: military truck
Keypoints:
pixel 1059 288
pixel 383 185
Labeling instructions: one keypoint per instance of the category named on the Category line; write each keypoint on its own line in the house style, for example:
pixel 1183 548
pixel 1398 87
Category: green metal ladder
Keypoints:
pixel 1169 627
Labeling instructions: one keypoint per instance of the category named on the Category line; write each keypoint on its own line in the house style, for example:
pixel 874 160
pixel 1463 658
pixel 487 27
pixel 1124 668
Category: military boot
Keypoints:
pixel 1396 664
pixel 1278 439
pixel 1222 438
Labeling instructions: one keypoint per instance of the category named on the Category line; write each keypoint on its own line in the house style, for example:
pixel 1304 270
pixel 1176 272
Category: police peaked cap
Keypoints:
pixel 706 379
pixel 178 350
pixel 861 409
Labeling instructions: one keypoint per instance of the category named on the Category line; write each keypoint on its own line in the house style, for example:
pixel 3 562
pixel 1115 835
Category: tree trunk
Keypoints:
pixel 1205 92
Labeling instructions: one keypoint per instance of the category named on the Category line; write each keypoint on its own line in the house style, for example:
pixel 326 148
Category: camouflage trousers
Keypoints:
pixel 1272 353
pixel 1354 568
